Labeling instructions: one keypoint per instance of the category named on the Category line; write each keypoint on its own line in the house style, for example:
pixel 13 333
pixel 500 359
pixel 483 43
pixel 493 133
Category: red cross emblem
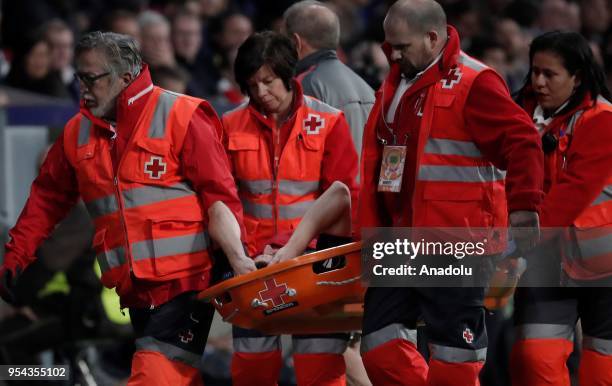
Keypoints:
pixel 273 292
pixel 186 336
pixel 155 167
pixel 468 336
pixel 313 123
pixel 454 76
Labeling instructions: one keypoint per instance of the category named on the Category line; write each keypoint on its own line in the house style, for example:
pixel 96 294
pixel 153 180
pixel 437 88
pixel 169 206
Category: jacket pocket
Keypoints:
pixel 177 247
pixel 87 164
pixel 593 237
pixel 455 206
pixel 238 142
pixel 148 162
pixel 309 154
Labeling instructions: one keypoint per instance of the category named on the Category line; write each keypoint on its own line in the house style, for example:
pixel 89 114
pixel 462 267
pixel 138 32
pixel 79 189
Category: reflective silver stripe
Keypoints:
pixel 293 188
pixel 166 100
pixel 456 354
pixel 285 212
pixel 471 63
pixel 242 106
pixel 263 211
pixel 102 206
pixel 605 196
pixel 319 106
pixel 572 122
pixel 255 186
pixel 387 334
pixel 595 247
pixel 545 331
pixel 451 147
pixel 150 194
pixel 603 100
pixel 170 246
pixel 111 259
pixel 133 198
pixel 171 352
pixel 84 130
pixel 319 346
pixel 297 188
pixel 297 210
pixel 460 173
pixel 257 345
pixel 602 346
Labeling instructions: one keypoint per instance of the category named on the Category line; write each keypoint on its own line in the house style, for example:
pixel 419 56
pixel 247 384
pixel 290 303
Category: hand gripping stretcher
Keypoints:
pixel 318 292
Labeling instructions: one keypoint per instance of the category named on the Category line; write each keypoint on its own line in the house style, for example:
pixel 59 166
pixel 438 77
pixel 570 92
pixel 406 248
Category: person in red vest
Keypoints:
pixel 566 95
pixel 286 149
pixel 151 169
pixel 453 120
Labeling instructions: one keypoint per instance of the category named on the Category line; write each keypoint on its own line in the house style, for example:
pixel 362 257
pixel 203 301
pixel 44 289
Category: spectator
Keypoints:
pixel 61 42
pixel 595 18
pixel 124 22
pixel 315 30
pixel 31 69
pixel 187 40
pixel 491 53
pixel 232 30
pixel 515 42
pixel 186 36
pixel 557 15
pixel 370 63
pixel 155 42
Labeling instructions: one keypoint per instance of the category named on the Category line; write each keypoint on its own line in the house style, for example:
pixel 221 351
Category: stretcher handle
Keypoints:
pixel 338 283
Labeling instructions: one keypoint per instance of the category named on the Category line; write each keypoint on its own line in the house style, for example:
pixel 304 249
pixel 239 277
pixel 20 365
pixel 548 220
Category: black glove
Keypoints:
pixel 8 281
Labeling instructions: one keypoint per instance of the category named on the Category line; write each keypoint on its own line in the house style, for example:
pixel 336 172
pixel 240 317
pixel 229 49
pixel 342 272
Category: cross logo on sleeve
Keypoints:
pixel 155 167
pixel 186 336
pixel 453 77
pixel 273 292
pixel 313 123
pixel 468 336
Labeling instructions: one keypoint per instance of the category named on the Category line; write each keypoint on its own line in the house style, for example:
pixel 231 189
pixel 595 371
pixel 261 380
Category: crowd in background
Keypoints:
pixel 190 45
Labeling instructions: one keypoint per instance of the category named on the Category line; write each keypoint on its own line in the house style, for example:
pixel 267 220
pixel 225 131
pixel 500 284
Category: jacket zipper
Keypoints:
pixel 274 176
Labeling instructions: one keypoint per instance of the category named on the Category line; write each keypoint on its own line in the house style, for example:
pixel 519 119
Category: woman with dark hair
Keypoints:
pixel 31 69
pixel 567 96
pixel 286 149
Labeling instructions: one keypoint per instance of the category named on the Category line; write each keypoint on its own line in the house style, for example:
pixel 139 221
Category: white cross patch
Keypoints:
pixel 454 77
pixel 155 167
pixel 313 123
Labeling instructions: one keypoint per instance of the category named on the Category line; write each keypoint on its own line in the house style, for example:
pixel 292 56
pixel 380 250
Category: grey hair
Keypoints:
pixel 149 18
pixel 314 22
pixel 121 51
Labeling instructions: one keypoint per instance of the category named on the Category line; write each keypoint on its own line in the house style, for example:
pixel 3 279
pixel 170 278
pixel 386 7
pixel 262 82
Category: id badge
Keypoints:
pixel 392 169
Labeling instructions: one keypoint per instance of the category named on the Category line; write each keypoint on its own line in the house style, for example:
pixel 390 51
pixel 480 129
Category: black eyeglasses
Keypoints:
pixel 88 79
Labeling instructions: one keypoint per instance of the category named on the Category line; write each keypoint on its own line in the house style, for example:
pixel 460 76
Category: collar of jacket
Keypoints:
pixel 314 59
pixel 529 104
pixel 298 101
pixel 449 60
pixel 130 102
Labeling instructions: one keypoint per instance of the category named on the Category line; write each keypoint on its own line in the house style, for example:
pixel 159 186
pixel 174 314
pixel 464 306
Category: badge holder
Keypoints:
pixel 392 168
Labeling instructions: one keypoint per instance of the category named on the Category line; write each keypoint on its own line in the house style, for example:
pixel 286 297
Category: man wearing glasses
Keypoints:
pixel 153 174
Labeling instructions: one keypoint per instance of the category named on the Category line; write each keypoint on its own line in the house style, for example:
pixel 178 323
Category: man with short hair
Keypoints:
pixel 61 42
pixel 457 127
pixel 155 39
pixel 315 30
pixel 153 174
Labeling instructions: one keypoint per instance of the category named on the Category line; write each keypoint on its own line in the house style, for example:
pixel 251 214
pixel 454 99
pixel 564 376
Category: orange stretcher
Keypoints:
pixel 295 297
